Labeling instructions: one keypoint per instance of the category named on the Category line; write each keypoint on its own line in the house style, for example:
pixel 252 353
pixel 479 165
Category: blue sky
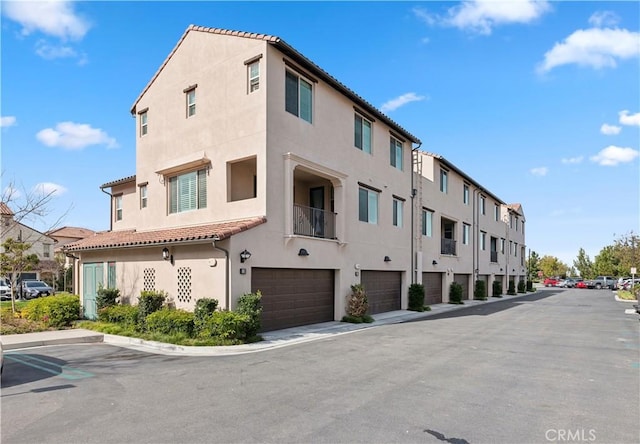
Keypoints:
pixel 538 101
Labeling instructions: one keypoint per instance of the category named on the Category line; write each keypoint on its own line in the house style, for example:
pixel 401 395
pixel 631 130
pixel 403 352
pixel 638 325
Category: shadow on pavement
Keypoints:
pixel 488 309
pixel 23 368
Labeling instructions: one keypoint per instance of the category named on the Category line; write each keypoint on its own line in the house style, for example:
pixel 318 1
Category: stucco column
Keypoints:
pixel 289 166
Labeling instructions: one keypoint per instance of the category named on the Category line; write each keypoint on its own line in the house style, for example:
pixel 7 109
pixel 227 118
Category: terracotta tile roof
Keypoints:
pixel 119 181
pixel 76 232
pixel 288 50
pixel 130 238
pixel 5 210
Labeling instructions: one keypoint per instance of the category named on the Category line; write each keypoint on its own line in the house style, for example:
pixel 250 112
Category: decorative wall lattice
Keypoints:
pixel 149 279
pixel 184 284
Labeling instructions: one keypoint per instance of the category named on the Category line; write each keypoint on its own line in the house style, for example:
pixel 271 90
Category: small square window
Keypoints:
pixel 368 206
pixel 298 96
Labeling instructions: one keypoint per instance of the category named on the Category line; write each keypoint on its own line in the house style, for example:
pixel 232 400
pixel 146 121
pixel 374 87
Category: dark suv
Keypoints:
pixel 35 289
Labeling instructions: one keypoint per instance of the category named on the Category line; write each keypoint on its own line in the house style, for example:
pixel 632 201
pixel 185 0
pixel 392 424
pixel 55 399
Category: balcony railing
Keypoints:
pixel 314 222
pixel 494 256
pixel 448 246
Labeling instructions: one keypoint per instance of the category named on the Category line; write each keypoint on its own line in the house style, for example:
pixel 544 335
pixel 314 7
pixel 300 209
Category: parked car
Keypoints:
pixel 5 290
pixel 550 282
pixel 581 284
pixel 571 282
pixel 35 289
pixel 628 284
pixel 602 282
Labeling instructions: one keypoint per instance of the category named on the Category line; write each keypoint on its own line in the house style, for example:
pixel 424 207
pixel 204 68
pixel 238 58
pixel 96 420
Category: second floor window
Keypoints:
pixel 465 194
pixel 465 233
pixel 46 250
pixel 395 153
pixel 368 206
pixel 254 76
pixel 362 134
pixel 298 96
pixel 118 206
pixel 143 196
pixel 143 123
pixel 482 205
pixel 443 181
pixel 397 212
pixel 496 212
pixel 483 240
pixel 191 102
pixel 502 242
pixel 188 191
pixel 427 223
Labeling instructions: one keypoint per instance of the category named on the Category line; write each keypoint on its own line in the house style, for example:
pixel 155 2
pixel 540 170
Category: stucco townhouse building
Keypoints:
pixel 257 170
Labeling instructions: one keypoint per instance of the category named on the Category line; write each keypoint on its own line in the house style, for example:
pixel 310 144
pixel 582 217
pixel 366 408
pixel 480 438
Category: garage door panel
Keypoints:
pixel 432 288
pixel 383 290
pixel 294 297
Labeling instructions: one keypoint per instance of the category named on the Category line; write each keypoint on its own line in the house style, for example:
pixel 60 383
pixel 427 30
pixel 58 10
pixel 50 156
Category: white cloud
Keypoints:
pixel 7 121
pixel 603 18
pixel 402 100
pixel 629 119
pixel 594 47
pixel 54 18
pixel 610 130
pixel 539 171
pixel 572 160
pixel 75 136
pixel 49 52
pixel 481 16
pixel 613 155
pixel 47 188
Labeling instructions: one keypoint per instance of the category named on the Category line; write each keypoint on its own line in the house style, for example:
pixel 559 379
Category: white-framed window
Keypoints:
pixel 395 153
pixel 253 75
pixel 143 196
pixel 427 222
pixel 368 205
pixel 397 212
pixel 191 102
pixel 483 206
pixel 465 194
pixel 298 96
pixel 443 181
pixel 502 242
pixel 118 206
pixel 466 228
pixel 188 191
pixel 496 212
pixel 143 123
pixel 483 240
pixel 362 134
pixel 46 250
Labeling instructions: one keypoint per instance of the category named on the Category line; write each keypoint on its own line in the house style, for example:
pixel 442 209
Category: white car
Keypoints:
pixel 5 290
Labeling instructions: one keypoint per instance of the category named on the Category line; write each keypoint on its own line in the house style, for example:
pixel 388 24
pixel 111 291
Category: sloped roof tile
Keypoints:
pixel 132 238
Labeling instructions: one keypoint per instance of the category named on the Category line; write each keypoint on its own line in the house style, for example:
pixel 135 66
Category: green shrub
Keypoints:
pixel 170 321
pixel 416 297
pixel 366 319
pixel 512 288
pixel 357 302
pixel 480 292
pixel 522 286
pixel 124 315
pixel 497 289
pixel 149 302
pixel 205 307
pixel 228 325
pixel 106 297
pixel 529 285
pixel 250 305
pixel 53 311
pixel 455 293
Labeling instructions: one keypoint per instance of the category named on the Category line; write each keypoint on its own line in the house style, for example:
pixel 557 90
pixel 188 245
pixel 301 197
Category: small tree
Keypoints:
pixel 357 306
pixel 512 288
pixel 522 287
pixel 416 297
pixel 455 293
pixel 106 297
pixel 14 260
pixel 497 289
pixel 480 292
pixel 250 304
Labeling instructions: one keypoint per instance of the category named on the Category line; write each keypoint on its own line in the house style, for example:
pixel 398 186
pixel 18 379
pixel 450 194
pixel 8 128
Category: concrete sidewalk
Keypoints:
pixel 272 339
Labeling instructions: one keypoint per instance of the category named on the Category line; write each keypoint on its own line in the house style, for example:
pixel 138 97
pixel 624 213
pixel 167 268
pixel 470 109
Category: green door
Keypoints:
pixel 93 278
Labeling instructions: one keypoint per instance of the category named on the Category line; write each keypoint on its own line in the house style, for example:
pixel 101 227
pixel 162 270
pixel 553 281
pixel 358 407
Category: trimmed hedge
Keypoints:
pixel 497 289
pixel 228 325
pixel 512 288
pixel 170 321
pixel 125 315
pixel 106 297
pixel 149 302
pixel 455 293
pixel 53 311
pixel 205 307
pixel 416 297
pixel 480 292
pixel 250 305
pixel 522 287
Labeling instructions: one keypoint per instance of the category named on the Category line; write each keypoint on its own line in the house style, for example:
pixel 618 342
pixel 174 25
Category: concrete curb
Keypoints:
pixel 29 340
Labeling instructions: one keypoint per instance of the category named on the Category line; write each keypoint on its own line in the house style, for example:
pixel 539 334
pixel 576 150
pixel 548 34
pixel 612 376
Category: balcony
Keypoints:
pixel 494 256
pixel 448 246
pixel 313 222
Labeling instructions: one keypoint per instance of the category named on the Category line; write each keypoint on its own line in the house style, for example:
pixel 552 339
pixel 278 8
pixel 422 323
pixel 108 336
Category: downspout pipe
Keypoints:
pixel 413 222
pixel 110 208
pixel 227 299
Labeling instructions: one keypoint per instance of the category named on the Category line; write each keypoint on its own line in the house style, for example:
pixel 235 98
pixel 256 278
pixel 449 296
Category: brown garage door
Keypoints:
pixel 383 290
pixel 432 288
pixel 463 279
pixel 293 297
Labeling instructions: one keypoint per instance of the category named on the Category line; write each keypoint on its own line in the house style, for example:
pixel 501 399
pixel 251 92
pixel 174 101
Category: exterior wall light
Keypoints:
pixel 166 256
pixel 244 255
pixel 434 262
pixel 303 252
pixel 387 259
